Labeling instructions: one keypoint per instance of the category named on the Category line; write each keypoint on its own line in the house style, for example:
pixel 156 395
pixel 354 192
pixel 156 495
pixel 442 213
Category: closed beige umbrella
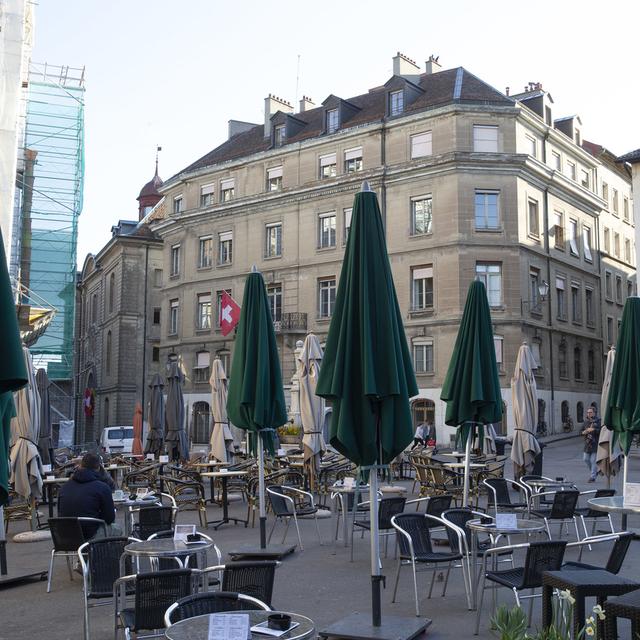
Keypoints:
pixel 221 437
pixel 524 398
pixel 311 405
pixel 608 457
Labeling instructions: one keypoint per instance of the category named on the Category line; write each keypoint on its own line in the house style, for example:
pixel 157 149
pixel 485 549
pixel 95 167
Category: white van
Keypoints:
pixel 117 439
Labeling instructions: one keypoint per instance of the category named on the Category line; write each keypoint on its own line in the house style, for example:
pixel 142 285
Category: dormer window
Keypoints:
pixel 279 134
pixel 333 121
pixel 177 204
pixel 396 103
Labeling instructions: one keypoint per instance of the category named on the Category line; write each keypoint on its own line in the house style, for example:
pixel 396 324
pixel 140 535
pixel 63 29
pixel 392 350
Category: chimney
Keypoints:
pixel 403 66
pixel 306 103
pixel 238 126
pixel 273 104
pixel 507 91
pixel 432 65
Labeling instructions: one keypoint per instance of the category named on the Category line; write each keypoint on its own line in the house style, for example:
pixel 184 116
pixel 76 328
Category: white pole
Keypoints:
pixel 467 456
pixel 625 470
pixel 263 515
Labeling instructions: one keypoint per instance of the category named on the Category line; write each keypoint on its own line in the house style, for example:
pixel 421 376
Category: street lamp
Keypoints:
pixel 543 292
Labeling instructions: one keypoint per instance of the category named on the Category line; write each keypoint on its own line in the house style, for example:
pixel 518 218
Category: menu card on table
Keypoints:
pixel 228 626
pixel 507 521
pixel 632 494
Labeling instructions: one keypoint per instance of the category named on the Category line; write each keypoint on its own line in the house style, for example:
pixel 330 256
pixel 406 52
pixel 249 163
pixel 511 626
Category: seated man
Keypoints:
pixel 87 495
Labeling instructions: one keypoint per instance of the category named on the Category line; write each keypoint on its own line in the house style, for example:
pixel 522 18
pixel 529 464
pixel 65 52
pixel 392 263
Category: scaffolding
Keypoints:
pixel 52 187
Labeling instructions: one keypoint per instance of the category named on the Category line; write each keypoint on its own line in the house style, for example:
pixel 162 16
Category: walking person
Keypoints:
pixel 419 436
pixel 591 434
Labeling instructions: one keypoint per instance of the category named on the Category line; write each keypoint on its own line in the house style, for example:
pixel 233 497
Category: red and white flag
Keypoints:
pixel 229 313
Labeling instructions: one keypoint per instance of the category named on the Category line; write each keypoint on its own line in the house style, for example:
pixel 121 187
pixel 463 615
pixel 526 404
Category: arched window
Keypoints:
pixel 591 366
pixel 577 363
pixel 563 369
pixel 579 412
pixel 542 423
pixel 201 429
pixel 106 412
pixel 108 355
pixel 424 412
pixel 112 290
pixel 564 411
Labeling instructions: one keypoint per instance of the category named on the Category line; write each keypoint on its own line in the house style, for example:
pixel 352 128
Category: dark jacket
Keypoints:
pixel 591 439
pixel 86 494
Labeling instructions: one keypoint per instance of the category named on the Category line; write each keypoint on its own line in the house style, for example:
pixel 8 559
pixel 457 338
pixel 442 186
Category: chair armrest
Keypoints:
pixel 402 532
pixel 594 540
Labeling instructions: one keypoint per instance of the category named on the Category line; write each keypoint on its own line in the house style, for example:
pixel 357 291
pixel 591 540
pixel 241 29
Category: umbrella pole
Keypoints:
pixel 376 578
pixel 263 517
pixel 467 456
pixel 3 545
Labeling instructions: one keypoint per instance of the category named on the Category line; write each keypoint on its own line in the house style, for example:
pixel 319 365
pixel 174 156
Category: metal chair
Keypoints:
pixel 562 509
pixel 152 520
pixel 587 513
pixel 414 540
pixel 200 604
pixel 541 557
pixel 616 557
pixel 68 535
pixel 251 578
pixel 154 593
pixel 498 495
pixel 284 507
pixel 387 508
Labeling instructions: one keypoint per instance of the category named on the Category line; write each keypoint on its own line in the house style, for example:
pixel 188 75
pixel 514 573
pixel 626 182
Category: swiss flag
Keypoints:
pixel 229 313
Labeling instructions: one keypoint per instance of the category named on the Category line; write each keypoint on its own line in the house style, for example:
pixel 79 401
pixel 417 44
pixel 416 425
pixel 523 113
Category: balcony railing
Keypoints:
pixel 291 323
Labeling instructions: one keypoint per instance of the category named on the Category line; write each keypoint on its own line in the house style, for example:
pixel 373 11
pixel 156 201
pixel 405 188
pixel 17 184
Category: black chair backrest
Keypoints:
pixel 387 508
pixel 103 561
pixel 66 533
pixel 251 578
pixel 460 517
pixel 501 488
pixel 156 592
pixel 600 493
pixel 280 505
pixel 618 552
pixel 418 528
pixel 200 604
pixel 437 505
pixel 564 505
pixel 154 519
pixel 541 557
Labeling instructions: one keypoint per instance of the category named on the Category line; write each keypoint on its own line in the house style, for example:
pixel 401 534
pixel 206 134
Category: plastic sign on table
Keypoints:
pixel 182 531
pixel 506 521
pixel 632 494
pixel 163 459
pixel 228 626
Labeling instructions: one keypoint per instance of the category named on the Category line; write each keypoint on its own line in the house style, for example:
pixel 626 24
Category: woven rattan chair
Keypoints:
pixel 626 606
pixel 188 494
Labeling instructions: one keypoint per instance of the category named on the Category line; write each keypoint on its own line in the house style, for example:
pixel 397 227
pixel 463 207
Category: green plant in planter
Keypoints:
pixel 289 430
pixel 510 623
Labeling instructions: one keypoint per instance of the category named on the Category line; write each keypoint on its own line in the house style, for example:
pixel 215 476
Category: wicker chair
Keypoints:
pixel 18 508
pixel 627 606
pixel 144 477
pixel 187 495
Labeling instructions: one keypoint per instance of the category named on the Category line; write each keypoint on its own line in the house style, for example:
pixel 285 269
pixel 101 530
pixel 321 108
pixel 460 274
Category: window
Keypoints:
pixel 616 245
pixel 498 343
pixel 576 303
pixel 207 195
pixel 591 366
pixel 326 297
pixel 274 179
pixel 588 303
pixel 534 218
pixel 227 189
pixel 619 289
pixel 535 351
pixel 205 251
pixel 625 209
pixel 346 214
pixel 94 308
pixel 571 170
pixel 202 369
pixel 279 135
pixel 485 138
pixel 564 412
pixel 332 120
pixel 156 315
pixel 422 288
pixel 106 411
pixel 577 363
pixel 610 341
pixel 584 178
pixel 112 290
pixel 563 369
pixel 274 295
pixel 424 411
pixel 607 240
pixel 203 315
pixel 608 285
pixel 353 160
pixel 155 354
pixel 558 230
pixel 225 358
pixel 423 356
pixel 225 247
pixel 421 145
pixel 177 204
pixel 531 146
pixel 491 276
pixel 561 301
pixel 174 309
pixel 328 168
pixel 421 215
pixel 580 412
pixel 586 243
pixel 108 356
pixel 573 237
pixel 616 211
pixel 175 260
pixel 201 419
pixel 219 305
pixel 273 247
pixel 605 192
pixel 396 103
pixel 486 210
pixel 627 250
pixel 157 277
pixel 327 230
pixel 557 161
pixel 534 291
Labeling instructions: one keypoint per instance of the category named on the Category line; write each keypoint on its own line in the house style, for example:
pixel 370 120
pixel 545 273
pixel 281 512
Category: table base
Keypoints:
pixel 219 523
pixel 358 626
pixel 273 551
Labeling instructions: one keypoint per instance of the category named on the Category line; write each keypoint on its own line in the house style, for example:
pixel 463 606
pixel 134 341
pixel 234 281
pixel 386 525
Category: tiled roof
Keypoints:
pixel 445 87
pixel 608 158
pixel 632 157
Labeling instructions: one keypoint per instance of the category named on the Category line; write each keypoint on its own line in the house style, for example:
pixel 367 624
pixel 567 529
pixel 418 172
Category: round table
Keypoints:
pixel 614 504
pixel 524 527
pixel 337 491
pixel 163 548
pixel 224 476
pixel 197 628
pixel 545 484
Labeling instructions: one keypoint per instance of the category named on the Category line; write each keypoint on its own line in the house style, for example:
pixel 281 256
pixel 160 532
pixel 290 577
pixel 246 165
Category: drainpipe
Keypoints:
pixel 383 163
pixel 144 334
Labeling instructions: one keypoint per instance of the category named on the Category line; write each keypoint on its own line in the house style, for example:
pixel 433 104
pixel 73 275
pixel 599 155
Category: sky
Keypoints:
pixel 172 73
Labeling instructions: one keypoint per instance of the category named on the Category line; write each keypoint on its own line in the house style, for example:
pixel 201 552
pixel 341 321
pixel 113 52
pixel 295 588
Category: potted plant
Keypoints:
pixel 289 433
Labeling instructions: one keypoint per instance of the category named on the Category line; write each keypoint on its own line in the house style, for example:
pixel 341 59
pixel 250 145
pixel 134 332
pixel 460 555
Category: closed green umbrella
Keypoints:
pixel 256 397
pixel 367 372
pixel 471 388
